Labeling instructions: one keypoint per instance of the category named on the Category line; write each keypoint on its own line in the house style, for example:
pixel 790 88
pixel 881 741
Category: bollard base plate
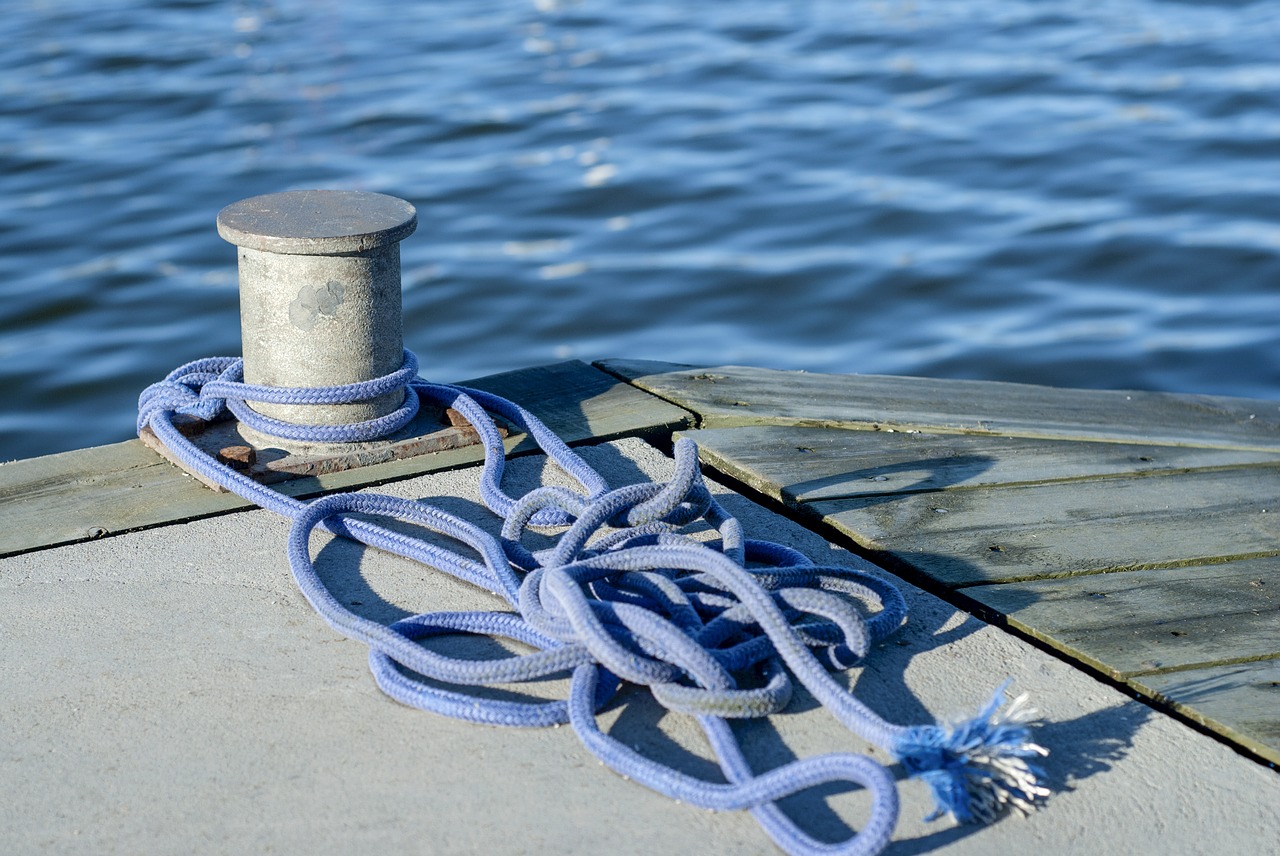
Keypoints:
pixel 270 460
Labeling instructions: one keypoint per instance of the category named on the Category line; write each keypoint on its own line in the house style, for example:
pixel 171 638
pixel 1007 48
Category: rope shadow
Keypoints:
pixel 938 474
pixel 821 810
pixel 1098 740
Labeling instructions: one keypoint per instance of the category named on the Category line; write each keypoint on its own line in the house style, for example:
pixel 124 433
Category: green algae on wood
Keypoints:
pixel 735 396
pixel 90 493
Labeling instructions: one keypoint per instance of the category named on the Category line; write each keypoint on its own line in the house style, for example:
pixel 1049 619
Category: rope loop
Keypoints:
pixel 717 626
pixel 211 388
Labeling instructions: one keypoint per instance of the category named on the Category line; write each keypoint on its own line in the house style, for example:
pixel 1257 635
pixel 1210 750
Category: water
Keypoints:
pixel 1071 193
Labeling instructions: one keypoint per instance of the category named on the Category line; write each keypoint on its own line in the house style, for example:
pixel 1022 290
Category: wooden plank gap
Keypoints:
pixel 1240 702
pixel 1195 561
pixel 712 421
pixel 696 421
pixel 740 396
pixel 1209 664
pixel 1094 477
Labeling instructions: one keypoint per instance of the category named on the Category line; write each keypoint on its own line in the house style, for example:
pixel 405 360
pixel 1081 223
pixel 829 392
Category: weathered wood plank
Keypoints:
pixel 1145 621
pixel 94 492
pixel 580 402
pixel 1239 701
pixel 1024 507
pixel 90 493
pixel 1187 486
pixel 799 465
pixel 729 396
pixel 961 537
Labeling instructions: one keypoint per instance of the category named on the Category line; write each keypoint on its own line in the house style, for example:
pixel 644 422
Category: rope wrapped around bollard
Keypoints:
pixel 623 595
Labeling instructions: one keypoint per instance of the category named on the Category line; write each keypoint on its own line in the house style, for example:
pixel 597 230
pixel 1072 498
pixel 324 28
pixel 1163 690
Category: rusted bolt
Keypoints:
pixel 238 457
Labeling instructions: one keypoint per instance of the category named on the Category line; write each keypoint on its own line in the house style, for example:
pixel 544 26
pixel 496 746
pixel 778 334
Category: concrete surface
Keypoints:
pixel 171 691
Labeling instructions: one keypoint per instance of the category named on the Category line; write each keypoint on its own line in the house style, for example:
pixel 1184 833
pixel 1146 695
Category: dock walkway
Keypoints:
pixel 166 688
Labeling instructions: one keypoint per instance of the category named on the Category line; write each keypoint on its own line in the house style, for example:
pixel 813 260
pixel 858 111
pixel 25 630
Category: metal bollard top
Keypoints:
pixel 317 222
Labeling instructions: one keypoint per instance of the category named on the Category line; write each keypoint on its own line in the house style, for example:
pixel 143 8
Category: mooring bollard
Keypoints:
pixel 319 307
pixel 320 295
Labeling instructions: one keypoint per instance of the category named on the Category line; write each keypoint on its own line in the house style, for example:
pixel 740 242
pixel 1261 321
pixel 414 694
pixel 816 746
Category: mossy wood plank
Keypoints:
pixel 1146 621
pixel 961 537
pixel 579 402
pixel 89 493
pixel 799 465
pixel 1239 701
pixel 729 396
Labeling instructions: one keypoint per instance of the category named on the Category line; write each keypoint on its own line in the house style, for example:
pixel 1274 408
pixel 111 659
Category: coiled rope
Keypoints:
pixel 623 595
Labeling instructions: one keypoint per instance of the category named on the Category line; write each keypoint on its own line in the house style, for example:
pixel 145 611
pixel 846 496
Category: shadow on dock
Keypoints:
pixel 1082 747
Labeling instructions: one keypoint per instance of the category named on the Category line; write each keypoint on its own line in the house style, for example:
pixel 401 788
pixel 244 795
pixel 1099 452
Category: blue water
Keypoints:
pixel 1071 193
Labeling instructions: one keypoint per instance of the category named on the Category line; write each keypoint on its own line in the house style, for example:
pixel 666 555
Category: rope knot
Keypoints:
pixel 183 391
pixel 210 387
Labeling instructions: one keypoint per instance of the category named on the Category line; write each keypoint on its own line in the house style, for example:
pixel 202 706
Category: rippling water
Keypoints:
pixel 1073 193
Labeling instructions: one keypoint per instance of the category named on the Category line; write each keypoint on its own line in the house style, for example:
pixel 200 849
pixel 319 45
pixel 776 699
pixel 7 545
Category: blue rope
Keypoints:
pixel 622 595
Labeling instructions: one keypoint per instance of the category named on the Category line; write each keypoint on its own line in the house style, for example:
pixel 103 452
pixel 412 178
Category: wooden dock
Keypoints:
pixel 1137 533
pixel 1133 537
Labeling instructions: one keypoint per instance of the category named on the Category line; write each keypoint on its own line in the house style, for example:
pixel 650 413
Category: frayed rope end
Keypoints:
pixel 978 769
